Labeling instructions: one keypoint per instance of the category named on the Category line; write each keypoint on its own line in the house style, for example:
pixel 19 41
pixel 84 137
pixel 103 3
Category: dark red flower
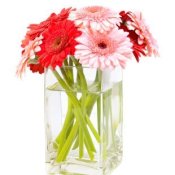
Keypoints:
pixel 36 68
pixel 59 42
pixel 138 49
pixel 36 30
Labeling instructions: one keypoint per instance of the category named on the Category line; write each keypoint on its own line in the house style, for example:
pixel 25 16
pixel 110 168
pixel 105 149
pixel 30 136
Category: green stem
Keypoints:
pixel 111 119
pixel 65 150
pixel 71 70
pixel 68 81
pixel 91 154
pixel 81 135
pixel 81 143
pixel 91 126
pixel 85 130
pixel 99 80
pixel 62 136
pixel 84 86
pixel 99 115
pixel 90 101
pixel 105 113
pixel 70 125
pixel 68 66
pixel 120 106
pixel 76 144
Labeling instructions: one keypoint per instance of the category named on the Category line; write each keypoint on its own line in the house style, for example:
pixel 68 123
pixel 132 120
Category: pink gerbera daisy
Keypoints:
pixel 142 30
pixel 29 53
pixel 96 17
pixel 104 51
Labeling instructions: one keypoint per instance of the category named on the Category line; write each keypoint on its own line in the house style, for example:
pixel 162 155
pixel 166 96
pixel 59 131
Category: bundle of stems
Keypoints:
pixel 77 128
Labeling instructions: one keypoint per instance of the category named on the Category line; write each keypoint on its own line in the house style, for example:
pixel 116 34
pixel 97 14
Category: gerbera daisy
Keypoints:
pixel 59 42
pixel 104 51
pixel 139 48
pixel 142 30
pixel 29 52
pixel 36 30
pixel 98 18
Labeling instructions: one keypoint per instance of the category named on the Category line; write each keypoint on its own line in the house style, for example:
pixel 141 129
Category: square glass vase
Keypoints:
pixel 83 120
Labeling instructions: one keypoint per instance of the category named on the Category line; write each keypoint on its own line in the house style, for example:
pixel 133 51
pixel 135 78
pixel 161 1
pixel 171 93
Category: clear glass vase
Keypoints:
pixel 83 120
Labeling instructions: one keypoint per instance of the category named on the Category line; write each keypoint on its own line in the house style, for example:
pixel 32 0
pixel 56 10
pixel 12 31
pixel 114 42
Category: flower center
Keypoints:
pixel 102 45
pixel 57 42
pixel 94 9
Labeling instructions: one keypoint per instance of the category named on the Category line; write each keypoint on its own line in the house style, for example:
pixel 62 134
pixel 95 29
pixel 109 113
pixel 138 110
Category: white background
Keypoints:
pixel 149 93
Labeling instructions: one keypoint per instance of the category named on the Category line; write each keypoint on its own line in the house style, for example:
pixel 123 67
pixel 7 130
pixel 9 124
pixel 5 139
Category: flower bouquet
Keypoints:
pixel 82 52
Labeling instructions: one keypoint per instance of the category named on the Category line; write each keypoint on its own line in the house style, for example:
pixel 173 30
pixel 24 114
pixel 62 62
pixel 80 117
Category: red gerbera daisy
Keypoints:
pixel 59 42
pixel 36 30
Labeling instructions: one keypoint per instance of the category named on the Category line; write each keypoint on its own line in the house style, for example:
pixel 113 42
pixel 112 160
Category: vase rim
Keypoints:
pixel 86 67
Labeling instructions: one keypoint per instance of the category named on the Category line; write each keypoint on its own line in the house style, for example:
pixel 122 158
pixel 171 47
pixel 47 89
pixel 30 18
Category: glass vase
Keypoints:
pixel 83 120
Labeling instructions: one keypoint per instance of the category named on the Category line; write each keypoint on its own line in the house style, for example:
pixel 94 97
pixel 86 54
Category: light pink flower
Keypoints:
pixel 96 17
pixel 29 53
pixel 144 33
pixel 104 51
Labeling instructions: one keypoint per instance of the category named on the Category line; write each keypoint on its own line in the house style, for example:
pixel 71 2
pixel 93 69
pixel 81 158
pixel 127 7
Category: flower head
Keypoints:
pixel 29 52
pixel 138 48
pixel 36 30
pixel 145 35
pixel 142 39
pixel 104 51
pixel 96 17
pixel 59 42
